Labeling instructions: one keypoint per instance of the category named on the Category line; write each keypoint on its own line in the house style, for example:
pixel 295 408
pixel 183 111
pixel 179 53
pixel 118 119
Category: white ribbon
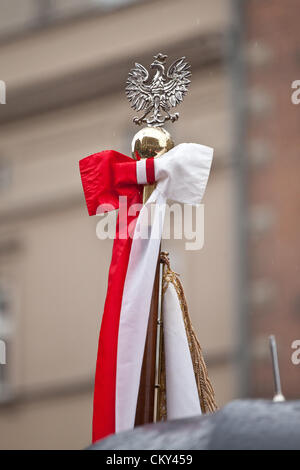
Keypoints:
pixel 181 387
pixel 141 174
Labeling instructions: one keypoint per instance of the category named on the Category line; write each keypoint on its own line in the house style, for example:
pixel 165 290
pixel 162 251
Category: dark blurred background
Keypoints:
pixel 65 65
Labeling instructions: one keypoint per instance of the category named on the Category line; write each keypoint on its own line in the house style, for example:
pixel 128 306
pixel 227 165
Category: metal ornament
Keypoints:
pixel 151 142
pixel 157 96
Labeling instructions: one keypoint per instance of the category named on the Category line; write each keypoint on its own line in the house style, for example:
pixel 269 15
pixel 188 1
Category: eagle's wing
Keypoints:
pixel 177 87
pixel 137 91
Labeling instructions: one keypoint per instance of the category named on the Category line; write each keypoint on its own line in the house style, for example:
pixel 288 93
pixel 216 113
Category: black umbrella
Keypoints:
pixel 242 424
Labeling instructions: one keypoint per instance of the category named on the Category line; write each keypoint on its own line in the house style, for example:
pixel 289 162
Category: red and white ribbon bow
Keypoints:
pixel 180 175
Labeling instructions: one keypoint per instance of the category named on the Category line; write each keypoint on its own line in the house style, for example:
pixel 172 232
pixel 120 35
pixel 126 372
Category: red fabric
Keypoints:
pixel 106 176
pixel 150 171
pixel 125 174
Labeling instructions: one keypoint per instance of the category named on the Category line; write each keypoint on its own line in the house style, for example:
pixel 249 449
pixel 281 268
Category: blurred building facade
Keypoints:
pixel 272 142
pixel 65 69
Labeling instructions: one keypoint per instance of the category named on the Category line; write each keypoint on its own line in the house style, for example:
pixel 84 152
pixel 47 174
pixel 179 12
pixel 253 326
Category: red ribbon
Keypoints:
pixel 106 176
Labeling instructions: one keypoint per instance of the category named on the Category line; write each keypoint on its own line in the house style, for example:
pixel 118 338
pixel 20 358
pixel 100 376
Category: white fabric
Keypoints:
pixel 181 175
pixel 182 394
pixel 141 174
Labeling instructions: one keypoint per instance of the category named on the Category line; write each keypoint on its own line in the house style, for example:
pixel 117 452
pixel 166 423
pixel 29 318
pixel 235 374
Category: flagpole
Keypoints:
pixel 146 399
pixel 154 98
pixel 150 142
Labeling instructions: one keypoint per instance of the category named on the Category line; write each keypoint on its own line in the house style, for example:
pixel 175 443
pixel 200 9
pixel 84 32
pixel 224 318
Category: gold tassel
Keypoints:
pixel 204 386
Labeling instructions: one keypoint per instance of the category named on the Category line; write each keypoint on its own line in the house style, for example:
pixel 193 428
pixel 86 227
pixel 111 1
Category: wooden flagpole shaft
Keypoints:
pixel 150 142
pixel 145 403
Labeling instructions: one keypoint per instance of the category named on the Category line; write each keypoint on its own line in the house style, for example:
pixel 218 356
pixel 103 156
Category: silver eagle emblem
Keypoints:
pixel 159 95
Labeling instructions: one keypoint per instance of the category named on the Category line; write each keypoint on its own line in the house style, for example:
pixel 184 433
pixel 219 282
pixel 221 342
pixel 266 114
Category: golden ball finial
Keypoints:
pixel 151 142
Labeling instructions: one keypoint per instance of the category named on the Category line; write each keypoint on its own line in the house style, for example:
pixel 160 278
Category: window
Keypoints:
pixel 20 15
